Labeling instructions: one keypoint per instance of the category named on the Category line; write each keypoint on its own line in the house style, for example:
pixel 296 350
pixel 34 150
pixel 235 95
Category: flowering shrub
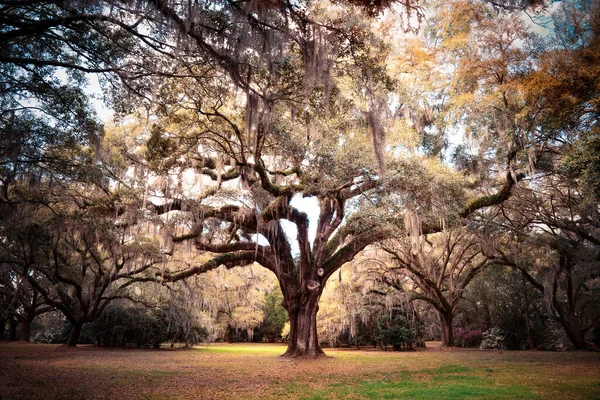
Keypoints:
pixel 463 338
pixel 494 338
pixel 50 335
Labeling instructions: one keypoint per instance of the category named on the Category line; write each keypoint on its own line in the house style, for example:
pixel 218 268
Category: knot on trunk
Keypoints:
pixel 312 285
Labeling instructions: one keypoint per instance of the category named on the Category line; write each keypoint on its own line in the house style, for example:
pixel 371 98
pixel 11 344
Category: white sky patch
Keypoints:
pixel 96 96
pixel 310 206
pixel 455 137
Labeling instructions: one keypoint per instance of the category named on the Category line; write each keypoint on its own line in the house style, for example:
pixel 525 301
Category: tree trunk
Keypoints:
pixel 2 327
pixel 230 334
pixel 575 334
pixel 569 322
pixel 26 329
pixel 302 310
pixel 12 328
pixel 527 322
pixel 448 333
pixel 73 338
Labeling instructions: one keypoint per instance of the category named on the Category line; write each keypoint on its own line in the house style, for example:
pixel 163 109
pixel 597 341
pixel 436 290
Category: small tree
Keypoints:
pixel 275 316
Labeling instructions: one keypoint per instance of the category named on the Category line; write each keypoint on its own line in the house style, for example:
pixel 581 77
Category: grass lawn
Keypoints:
pixel 240 371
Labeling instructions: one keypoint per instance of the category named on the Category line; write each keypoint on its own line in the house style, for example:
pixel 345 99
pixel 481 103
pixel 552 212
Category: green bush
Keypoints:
pixel 139 327
pixel 394 332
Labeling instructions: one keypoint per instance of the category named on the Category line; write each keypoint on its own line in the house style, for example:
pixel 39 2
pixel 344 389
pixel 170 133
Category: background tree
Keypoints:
pixel 275 316
pixel 82 259
pixel 441 268
pixel 556 253
pixel 553 218
pixel 503 299
pixel 235 299
pixel 359 309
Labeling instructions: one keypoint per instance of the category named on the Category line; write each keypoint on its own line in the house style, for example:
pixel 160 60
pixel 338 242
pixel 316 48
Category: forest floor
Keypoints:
pixel 242 371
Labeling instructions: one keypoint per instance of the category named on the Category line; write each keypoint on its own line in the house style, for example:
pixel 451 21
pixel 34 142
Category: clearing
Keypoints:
pixel 254 371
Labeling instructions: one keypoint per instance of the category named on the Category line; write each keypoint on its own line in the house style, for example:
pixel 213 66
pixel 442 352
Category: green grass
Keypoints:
pixel 420 390
pixel 445 382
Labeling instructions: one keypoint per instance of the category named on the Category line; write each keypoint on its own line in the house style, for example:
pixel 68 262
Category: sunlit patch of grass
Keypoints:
pixel 244 348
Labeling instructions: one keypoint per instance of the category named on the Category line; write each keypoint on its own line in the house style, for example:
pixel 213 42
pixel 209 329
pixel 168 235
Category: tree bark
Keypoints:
pixel 527 322
pixel 447 331
pixel 302 310
pixel 2 328
pixel 12 328
pixel 572 328
pixel 230 334
pixel 73 338
pixel 26 328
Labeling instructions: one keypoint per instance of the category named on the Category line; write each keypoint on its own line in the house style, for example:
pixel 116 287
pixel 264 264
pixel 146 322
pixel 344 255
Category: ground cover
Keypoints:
pixel 223 371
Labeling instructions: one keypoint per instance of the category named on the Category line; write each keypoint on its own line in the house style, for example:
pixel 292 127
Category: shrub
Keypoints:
pixel 463 338
pixel 494 338
pixel 394 332
pixel 50 335
pixel 139 327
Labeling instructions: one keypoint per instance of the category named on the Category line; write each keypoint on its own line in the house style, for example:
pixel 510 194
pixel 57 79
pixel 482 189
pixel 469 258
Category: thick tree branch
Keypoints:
pixel 347 252
pixel 229 260
pixel 492 200
pixel 330 218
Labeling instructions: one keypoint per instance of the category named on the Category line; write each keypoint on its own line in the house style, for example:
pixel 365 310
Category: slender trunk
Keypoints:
pixel 448 333
pixel 12 328
pixel 528 326
pixel 302 311
pixel 527 322
pixel 487 315
pixel 73 338
pixel 2 327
